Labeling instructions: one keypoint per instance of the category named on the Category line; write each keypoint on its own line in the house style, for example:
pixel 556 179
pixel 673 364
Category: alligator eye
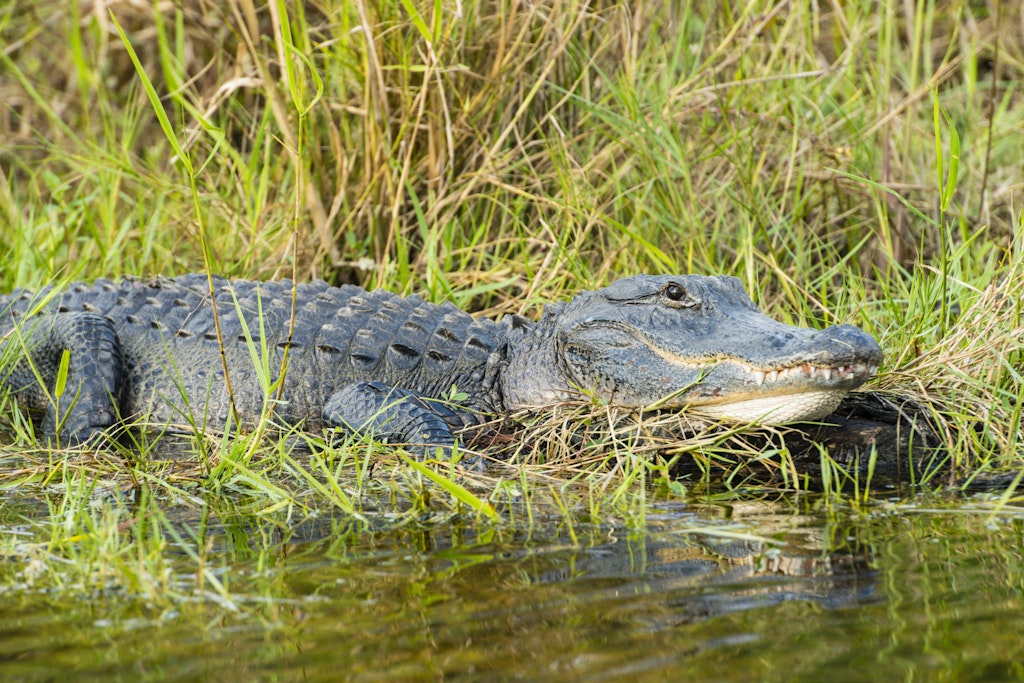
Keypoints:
pixel 678 297
pixel 675 292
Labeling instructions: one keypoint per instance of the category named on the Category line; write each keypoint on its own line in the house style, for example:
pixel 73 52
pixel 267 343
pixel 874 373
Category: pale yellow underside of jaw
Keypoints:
pixel 807 405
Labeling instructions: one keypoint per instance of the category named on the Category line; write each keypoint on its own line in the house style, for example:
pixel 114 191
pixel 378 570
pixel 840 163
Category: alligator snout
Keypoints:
pixel 847 342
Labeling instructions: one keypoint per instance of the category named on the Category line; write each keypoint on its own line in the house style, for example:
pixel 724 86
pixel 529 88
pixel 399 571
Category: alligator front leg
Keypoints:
pixel 393 414
pixel 89 403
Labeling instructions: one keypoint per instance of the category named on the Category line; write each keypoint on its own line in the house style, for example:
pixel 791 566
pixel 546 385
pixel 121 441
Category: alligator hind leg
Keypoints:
pixel 90 401
pixel 393 414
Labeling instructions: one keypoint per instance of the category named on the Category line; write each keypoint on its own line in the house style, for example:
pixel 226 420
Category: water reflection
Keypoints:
pixel 703 575
pixel 749 591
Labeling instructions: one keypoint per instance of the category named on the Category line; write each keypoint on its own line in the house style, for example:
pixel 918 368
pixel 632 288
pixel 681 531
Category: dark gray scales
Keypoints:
pixel 374 362
pixel 148 349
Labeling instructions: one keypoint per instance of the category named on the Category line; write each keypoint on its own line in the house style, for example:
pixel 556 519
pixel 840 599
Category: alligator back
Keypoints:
pixel 341 335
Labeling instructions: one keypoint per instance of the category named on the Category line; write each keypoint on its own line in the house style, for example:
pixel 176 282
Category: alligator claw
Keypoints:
pixel 390 413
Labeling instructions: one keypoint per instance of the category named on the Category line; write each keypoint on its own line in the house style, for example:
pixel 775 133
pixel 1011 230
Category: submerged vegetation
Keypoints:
pixel 850 162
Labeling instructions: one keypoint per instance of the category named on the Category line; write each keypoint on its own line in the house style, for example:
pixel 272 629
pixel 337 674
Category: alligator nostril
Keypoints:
pixel 848 337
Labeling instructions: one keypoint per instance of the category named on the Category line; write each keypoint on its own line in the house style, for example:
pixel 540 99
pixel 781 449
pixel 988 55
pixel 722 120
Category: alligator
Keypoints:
pixel 199 353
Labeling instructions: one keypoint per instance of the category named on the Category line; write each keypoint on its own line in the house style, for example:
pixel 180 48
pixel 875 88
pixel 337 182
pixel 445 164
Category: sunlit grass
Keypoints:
pixel 502 156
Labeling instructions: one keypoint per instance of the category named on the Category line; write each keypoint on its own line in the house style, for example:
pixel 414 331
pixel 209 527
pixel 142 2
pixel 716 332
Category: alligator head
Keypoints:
pixel 691 342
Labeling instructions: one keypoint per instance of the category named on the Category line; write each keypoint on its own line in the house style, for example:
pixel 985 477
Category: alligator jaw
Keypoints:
pixel 775 409
pixel 774 396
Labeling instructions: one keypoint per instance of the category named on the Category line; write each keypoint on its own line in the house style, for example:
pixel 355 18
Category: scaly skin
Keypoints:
pixel 373 361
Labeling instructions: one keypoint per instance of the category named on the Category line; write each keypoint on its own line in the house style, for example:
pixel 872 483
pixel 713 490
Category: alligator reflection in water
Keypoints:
pixel 708 575
pixel 694 564
pixel 700 566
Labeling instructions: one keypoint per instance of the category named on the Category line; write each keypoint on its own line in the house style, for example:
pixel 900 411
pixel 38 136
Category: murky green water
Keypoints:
pixel 737 591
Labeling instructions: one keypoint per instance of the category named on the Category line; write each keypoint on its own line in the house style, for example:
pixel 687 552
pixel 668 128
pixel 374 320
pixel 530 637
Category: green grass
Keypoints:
pixel 849 162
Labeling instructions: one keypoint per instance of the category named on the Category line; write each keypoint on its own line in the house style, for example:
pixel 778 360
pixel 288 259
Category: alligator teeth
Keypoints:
pixel 807 371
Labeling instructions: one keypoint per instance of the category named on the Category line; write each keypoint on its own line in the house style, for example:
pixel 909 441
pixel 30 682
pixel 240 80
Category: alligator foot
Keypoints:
pixel 79 402
pixel 392 414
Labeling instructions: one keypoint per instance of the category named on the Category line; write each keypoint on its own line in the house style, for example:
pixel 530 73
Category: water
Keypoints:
pixel 783 590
